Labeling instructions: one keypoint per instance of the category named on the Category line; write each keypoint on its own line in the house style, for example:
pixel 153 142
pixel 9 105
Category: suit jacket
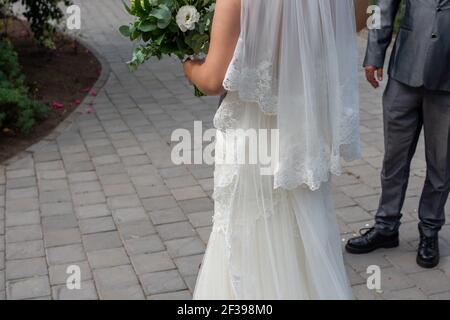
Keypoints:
pixel 421 55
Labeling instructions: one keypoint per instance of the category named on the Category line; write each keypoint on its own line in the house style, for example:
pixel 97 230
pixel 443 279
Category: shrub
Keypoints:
pixel 17 111
pixel 43 16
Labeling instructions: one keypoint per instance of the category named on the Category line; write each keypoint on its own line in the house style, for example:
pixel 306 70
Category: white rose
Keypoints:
pixel 187 17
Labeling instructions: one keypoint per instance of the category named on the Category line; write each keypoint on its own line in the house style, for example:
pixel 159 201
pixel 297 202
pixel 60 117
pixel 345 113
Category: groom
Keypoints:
pixel 417 96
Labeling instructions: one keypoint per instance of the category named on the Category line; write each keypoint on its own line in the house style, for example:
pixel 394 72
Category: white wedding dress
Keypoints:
pixel 266 243
pixel 276 239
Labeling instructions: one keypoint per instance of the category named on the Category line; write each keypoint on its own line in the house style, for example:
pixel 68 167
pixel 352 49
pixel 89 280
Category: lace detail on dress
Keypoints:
pixel 253 84
pixel 229 113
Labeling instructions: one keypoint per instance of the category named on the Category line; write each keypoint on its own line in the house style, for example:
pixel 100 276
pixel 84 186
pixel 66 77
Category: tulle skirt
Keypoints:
pixel 265 243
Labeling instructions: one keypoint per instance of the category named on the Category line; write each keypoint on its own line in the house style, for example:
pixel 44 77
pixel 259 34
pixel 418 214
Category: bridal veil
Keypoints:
pixel 298 60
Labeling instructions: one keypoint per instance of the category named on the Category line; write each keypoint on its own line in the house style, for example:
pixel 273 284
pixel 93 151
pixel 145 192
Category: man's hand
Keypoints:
pixel 374 75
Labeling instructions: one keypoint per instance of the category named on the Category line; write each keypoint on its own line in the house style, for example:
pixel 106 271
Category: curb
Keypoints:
pixel 67 122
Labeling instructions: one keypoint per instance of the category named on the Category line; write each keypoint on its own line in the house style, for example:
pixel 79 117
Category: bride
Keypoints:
pixel 287 66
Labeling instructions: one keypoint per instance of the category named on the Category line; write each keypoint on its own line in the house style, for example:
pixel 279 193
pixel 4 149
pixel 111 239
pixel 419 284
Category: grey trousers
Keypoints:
pixel 406 111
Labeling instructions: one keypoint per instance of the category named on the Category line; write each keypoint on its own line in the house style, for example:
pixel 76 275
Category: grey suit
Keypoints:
pixel 417 96
pixel 421 55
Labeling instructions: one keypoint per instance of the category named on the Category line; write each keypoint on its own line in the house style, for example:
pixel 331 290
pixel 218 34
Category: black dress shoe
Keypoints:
pixel 428 254
pixel 371 240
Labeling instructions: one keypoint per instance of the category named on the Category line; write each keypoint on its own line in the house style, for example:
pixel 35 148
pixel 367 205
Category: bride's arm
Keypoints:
pixel 208 75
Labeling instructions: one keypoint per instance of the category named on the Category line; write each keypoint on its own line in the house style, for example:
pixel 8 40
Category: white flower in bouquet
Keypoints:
pixel 187 17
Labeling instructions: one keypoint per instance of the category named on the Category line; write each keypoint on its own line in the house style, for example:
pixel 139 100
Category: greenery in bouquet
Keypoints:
pixel 168 27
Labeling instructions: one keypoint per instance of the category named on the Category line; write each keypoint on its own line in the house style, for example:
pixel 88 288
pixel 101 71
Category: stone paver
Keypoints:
pixel 101 192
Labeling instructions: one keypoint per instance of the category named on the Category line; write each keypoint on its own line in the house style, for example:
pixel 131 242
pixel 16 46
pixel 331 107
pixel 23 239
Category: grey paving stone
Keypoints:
pixel 167 216
pixel 21 183
pixel 23 233
pixel 68 221
pixel 180 182
pixel 189 266
pixel 177 295
pixel 126 215
pixel 124 293
pixel 201 219
pixel 23 219
pixel 65 254
pixel 108 258
pixel 353 214
pixel 149 244
pixel 369 203
pixel 187 193
pixel 82 177
pixel 136 229
pixel 196 205
pixel 358 190
pixel 153 262
pixel 431 281
pixel 95 225
pixel 119 189
pixel 204 233
pixel 90 198
pixel 106 160
pixel 92 211
pixel 58 273
pixel 56 209
pixel 116 178
pixel 55 196
pixel 101 241
pixel 405 294
pixel 115 277
pixel 49 165
pixel 28 288
pixel 190 281
pixel 122 202
pixel 56 238
pixel 25 193
pixel 22 205
pixel 85 187
pixel 147 180
pixel 162 282
pixel 52 174
pixel 175 230
pixel 142 170
pixel 25 250
pixel 185 247
pixel 87 292
pixel 25 268
pixel 174 172
pixel 440 296
pixel 20 173
pixel 152 191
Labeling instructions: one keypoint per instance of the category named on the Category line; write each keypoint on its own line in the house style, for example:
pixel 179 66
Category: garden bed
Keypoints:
pixel 59 78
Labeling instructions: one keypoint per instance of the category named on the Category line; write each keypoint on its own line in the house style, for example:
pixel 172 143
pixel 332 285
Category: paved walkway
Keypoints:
pixel 102 193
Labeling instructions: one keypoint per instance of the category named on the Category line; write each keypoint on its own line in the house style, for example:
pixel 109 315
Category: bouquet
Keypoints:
pixel 169 27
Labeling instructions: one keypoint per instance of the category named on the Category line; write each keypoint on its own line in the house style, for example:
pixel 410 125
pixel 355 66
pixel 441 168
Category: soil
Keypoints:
pixel 60 78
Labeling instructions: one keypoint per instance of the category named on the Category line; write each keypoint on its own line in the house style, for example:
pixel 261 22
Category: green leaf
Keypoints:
pixel 147 25
pixel 128 8
pixel 164 16
pixel 139 9
pixel 160 39
pixel 125 31
pixel 147 5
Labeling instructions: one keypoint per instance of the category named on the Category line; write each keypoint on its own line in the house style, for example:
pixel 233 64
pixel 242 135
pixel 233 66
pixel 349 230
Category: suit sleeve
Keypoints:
pixel 380 39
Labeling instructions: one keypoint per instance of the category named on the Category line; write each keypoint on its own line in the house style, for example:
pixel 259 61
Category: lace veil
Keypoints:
pixel 298 60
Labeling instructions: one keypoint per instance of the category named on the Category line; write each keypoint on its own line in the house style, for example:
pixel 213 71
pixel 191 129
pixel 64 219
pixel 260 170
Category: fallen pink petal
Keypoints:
pixel 57 105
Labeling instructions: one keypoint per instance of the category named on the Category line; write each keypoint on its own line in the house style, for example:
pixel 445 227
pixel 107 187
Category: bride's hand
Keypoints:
pixel 189 66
